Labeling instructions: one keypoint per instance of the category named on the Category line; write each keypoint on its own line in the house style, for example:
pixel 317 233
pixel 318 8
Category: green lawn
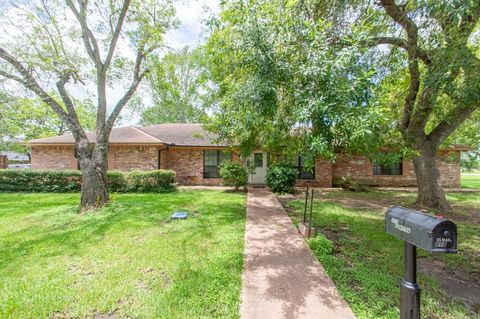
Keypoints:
pixel 127 260
pixel 366 263
pixel 471 180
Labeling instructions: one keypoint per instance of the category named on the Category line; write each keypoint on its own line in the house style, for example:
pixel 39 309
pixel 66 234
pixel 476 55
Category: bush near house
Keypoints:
pixel 71 181
pixel 40 181
pixel 281 178
pixel 150 181
pixel 116 181
pixel 233 174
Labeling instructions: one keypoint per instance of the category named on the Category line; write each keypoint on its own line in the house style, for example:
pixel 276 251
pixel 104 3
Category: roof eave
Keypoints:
pixel 111 143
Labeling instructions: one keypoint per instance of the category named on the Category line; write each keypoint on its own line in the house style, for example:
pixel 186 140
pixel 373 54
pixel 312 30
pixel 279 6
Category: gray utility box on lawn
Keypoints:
pixel 436 235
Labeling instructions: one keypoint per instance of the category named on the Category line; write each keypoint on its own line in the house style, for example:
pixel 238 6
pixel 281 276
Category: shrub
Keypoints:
pixel 40 181
pixel 321 245
pixel 233 174
pixel 346 181
pixel 281 178
pixel 150 181
pixel 71 181
pixel 116 181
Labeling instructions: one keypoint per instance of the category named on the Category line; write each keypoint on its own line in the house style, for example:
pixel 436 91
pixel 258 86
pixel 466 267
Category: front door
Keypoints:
pixel 259 162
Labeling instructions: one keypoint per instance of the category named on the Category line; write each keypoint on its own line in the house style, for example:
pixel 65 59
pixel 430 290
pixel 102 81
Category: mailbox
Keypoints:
pixel 416 229
pixel 436 235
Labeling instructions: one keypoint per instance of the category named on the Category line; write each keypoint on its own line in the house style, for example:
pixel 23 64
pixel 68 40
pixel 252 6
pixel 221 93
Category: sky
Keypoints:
pixel 191 15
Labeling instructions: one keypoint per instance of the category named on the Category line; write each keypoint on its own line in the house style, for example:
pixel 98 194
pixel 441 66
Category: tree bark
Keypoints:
pixel 93 165
pixel 430 191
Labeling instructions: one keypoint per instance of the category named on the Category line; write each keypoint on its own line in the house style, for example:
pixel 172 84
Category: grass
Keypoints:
pixel 367 263
pixel 128 260
pixel 471 180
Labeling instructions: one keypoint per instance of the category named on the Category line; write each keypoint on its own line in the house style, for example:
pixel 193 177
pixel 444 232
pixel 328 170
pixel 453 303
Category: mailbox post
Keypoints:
pixel 409 289
pixel 416 229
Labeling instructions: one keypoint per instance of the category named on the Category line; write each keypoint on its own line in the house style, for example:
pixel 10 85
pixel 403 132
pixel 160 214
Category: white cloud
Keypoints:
pixel 191 15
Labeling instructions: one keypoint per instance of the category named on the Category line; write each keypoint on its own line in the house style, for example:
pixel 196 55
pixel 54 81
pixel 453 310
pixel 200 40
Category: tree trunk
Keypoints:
pixel 93 165
pixel 430 191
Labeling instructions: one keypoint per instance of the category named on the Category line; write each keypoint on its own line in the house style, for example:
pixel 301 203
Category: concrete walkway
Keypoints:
pixel 281 278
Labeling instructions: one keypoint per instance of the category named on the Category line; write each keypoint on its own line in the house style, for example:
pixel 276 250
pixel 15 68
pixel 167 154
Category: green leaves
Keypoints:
pixel 233 174
pixel 281 179
pixel 282 83
pixel 181 89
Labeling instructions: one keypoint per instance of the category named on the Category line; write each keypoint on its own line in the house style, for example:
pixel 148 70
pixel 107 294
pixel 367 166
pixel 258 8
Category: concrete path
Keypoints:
pixel 281 278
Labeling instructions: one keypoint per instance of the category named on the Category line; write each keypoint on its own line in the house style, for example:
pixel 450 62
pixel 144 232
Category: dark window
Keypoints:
pixel 212 159
pixel 303 173
pixel 258 159
pixel 388 169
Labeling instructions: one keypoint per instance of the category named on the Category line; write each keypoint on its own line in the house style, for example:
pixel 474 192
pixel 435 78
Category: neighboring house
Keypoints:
pixel 3 161
pixel 14 160
pixel 189 150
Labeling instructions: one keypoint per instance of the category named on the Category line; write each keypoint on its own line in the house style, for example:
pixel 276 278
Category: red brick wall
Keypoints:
pixel 53 157
pixel 123 158
pixel 323 175
pixel 163 158
pixel 361 169
pixel 188 164
pixel 127 158
pixel 449 166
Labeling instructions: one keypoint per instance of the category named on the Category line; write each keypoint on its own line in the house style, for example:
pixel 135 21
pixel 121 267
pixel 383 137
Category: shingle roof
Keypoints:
pixel 179 134
pixel 182 134
pixel 119 135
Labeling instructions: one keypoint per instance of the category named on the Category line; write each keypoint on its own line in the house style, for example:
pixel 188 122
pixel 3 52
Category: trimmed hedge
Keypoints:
pixel 71 181
pixel 40 181
pixel 150 181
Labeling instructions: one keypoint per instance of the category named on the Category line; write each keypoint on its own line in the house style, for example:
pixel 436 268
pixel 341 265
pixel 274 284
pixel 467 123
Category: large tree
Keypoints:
pixel 101 45
pixel 443 82
pixel 181 88
pixel 299 63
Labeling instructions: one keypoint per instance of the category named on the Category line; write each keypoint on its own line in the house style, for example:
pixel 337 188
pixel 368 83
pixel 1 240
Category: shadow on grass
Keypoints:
pixel 60 231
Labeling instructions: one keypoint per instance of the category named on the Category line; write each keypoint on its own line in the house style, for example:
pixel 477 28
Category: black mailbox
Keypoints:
pixel 436 235
pixel 416 229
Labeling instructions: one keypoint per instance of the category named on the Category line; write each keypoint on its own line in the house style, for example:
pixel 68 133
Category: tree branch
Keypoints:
pixel 137 78
pixel 13 77
pixel 450 123
pixel 411 97
pixel 30 83
pixel 398 43
pixel 89 40
pixel 68 101
pixel 399 16
pixel 468 99
pixel 116 33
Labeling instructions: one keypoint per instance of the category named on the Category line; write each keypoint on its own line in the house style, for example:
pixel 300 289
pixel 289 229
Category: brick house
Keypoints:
pixel 191 152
